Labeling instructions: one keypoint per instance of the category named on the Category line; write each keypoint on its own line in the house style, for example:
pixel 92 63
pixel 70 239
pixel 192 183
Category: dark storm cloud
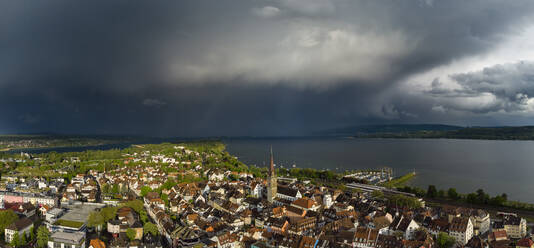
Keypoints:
pixel 275 67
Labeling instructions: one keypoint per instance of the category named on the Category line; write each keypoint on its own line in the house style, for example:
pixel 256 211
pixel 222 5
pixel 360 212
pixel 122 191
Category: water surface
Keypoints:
pixel 467 165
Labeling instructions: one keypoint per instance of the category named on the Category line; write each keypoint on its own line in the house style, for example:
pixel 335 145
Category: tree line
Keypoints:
pixel 478 197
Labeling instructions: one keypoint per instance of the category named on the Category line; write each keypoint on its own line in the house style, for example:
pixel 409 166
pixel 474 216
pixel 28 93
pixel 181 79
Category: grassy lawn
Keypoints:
pixel 69 223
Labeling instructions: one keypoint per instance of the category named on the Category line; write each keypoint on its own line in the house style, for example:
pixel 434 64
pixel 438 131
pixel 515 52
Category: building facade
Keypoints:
pixel 21 226
pixel 67 240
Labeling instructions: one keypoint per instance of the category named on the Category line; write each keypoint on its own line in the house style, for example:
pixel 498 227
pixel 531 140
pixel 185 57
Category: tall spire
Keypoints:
pixel 271 181
pixel 271 169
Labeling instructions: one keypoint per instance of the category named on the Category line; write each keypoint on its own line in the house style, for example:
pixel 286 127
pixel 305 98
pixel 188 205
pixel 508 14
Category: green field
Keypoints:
pixel 69 223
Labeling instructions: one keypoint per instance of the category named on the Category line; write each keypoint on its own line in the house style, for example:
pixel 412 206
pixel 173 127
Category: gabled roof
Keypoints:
pixel 459 224
pixel 97 243
pixel 295 210
pixel 500 234
pixel 400 223
pixel 525 242
pixel 276 222
pixel 366 234
pixel 20 224
pixel 287 191
pixel 511 220
pixel 304 202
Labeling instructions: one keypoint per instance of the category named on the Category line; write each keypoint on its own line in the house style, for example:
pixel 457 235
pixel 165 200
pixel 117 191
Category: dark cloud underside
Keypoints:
pixel 277 67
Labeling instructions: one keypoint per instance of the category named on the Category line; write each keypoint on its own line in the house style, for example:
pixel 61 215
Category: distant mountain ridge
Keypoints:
pixel 435 131
pixel 388 128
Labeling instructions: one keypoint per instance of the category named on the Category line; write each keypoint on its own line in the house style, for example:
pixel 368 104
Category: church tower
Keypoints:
pixel 271 181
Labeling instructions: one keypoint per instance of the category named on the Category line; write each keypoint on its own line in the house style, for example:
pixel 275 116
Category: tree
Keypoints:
pixel 115 189
pixel 404 201
pixel 108 213
pixel 482 197
pixel 233 177
pixel 165 198
pixel 95 220
pixel 472 198
pixel 32 233
pixel 143 216
pixel 6 219
pixel 497 200
pixel 131 233
pixel 356 191
pixel 136 205
pixel 377 194
pixel 150 228
pixel 106 188
pixel 444 240
pixel 145 190
pixel 15 241
pixel 452 193
pixel 23 240
pixel 42 236
pixel 432 192
pixel 169 184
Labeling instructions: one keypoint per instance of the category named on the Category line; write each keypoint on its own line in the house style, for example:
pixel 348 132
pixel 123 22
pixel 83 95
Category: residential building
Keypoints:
pixel 21 226
pixel 461 228
pixel 405 225
pixel 525 243
pixel 62 239
pixel 96 243
pixel 515 226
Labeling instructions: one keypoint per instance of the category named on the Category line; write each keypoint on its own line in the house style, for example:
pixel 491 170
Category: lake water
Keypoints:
pixel 467 165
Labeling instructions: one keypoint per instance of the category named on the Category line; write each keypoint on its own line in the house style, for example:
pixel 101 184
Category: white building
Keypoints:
pixel 21 226
pixel 36 200
pixel 327 200
pixel 53 214
pixel 42 184
pixel 403 225
pixel 67 240
pixel 461 229
pixel 481 222
pixel 257 190
pixel 287 193
pixel 515 226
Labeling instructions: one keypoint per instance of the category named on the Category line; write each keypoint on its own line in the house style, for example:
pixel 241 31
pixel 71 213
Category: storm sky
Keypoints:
pixel 253 67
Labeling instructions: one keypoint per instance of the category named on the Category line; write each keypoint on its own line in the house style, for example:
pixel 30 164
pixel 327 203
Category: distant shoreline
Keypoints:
pixel 434 138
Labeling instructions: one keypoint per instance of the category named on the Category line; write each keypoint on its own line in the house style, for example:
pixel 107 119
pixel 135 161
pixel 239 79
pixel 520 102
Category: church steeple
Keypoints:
pixel 271 169
pixel 272 184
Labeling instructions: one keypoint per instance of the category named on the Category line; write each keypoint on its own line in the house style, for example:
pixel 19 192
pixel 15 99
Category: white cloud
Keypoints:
pixel 500 81
pixel 502 88
pixel 266 12
pixel 439 108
